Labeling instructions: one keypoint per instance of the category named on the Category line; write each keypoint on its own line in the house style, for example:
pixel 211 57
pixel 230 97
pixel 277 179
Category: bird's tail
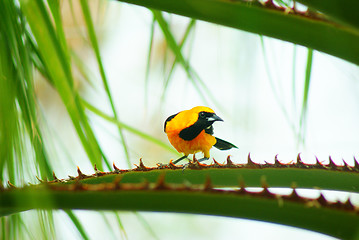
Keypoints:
pixel 224 145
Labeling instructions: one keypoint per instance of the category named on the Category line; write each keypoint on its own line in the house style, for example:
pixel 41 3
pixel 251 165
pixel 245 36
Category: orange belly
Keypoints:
pixel 202 143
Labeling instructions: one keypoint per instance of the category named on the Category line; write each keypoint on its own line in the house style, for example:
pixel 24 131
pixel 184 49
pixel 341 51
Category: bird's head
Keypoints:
pixel 206 116
pixel 194 120
pixel 209 117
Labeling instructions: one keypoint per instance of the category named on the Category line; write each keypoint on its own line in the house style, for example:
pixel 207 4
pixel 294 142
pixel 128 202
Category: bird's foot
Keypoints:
pixel 202 159
pixel 185 166
pixel 193 162
pixel 161 165
pixel 180 159
pixel 173 163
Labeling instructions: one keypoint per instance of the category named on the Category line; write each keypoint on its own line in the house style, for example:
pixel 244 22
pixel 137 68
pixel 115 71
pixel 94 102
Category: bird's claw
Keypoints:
pixel 161 165
pixel 202 159
pixel 194 162
pixel 185 166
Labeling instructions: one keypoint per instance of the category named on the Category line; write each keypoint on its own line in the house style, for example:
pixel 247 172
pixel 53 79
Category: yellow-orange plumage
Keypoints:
pixel 190 131
pixel 202 143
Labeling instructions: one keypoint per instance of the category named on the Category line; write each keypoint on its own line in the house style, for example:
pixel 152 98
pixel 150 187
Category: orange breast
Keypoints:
pixel 202 143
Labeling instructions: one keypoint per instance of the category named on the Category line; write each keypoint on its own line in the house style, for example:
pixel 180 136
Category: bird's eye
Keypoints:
pixel 202 115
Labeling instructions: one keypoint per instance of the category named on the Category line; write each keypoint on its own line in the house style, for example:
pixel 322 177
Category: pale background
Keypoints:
pixel 233 66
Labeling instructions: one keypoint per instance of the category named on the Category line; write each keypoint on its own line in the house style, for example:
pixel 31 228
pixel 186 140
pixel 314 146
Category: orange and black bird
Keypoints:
pixel 191 131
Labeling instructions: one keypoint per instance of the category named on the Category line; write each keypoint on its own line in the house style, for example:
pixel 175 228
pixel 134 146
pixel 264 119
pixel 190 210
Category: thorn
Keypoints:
pixel 331 164
pixel 216 164
pixel 117 182
pixel 171 165
pixel 194 161
pixel 356 164
pixel 31 184
pixel 141 166
pixel 229 163
pixel 160 184
pixel 294 195
pixel 299 161
pixel 71 177
pixel 277 163
pixel 12 186
pixel 208 184
pixel 41 181
pixel 116 169
pixel 80 174
pixel 242 187
pixel 321 200
pixel 348 205
pixel 318 164
pixel 265 192
pixel 267 164
pixel 98 172
pixel 212 164
pixel 203 165
pixel 55 178
pixel 250 163
pixel 346 166
pixel 195 164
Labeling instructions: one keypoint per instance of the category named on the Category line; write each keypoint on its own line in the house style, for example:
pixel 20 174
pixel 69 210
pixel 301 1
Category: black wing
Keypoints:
pixel 224 145
pixel 167 120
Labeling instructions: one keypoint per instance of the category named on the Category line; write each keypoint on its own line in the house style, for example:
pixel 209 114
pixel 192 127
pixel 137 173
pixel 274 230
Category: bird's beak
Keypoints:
pixel 214 118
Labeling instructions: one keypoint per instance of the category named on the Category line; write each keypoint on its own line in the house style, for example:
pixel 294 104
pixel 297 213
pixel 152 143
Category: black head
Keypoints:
pixel 208 118
pixel 204 122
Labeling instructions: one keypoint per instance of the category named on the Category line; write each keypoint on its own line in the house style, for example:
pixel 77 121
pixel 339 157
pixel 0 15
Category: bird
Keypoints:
pixel 191 131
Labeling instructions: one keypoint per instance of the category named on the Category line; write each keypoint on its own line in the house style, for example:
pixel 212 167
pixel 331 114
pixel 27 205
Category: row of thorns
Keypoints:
pixel 161 185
